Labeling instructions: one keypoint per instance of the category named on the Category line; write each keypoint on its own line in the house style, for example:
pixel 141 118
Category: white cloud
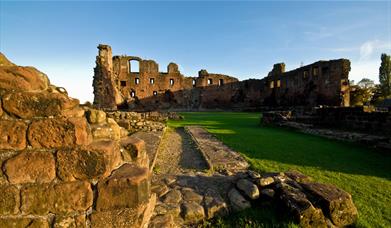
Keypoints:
pixel 368 48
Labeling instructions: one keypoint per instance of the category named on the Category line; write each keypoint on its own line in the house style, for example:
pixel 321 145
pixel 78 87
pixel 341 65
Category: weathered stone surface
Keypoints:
pixel 36 199
pixel 238 202
pixel 189 195
pixel 124 217
pixel 60 198
pixel 297 176
pixel 134 147
pixel 71 196
pixel 4 156
pixel 127 187
pixel 91 162
pixel 160 189
pixel 168 208
pixel 265 181
pixel 335 203
pixel 23 222
pixel 16 78
pixel 77 221
pixel 160 221
pixel 173 196
pixel 12 134
pixel 253 174
pixel 250 189
pixel 96 116
pixel 4 61
pixel 9 200
pixel 1 109
pixel 27 105
pixel 215 206
pixel 59 132
pixel 31 167
pixel 297 203
pixel 192 212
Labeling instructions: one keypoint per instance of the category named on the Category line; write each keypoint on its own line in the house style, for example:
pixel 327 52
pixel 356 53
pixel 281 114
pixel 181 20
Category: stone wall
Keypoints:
pixel 148 89
pixel 61 169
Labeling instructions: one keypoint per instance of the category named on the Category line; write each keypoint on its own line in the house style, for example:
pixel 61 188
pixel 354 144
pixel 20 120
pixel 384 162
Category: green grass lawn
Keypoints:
pixel 358 170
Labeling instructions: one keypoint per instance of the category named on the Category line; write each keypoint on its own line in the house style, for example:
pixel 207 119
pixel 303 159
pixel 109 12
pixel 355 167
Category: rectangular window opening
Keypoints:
pixel 123 83
pixel 171 82
pixel 210 81
pixel 137 81
pixel 221 82
pixel 152 81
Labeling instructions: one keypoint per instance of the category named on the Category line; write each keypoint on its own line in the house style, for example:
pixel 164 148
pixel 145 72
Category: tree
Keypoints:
pixel 385 75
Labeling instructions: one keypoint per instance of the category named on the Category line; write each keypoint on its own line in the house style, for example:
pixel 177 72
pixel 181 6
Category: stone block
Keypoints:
pixel 31 167
pixel 335 203
pixel 36 199
pixel 96 116
pixel 173 196
pixel 12 134
pixel 71 196
pixel 134 150
pixel 4 156
pixel 215 206
pixel 59 132
pixel 9 200
pixel 77 221
pixel 125 217
pixel 238 202
pixel 16 78
pixel 250 189
pixel 92 162
pixel 1 109
pixel 192 212
pixel 127 187
pixel 60 198
pixel 298 205
pixel 27 105
pixel 24 222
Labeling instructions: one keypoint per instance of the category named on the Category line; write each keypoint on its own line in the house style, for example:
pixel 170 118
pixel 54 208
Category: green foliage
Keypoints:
pixel 385 75
pixel 363 172
pixel 360 96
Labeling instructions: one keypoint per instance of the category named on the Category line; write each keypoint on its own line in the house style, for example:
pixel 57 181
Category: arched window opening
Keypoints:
pixel 134 66
pixel 152 81
pixel 171 82
pixel 137 81
pixel 155 93
pixel 133 93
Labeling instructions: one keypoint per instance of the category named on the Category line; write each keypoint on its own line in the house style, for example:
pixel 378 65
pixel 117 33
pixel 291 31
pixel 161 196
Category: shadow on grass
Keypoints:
pixel 289 147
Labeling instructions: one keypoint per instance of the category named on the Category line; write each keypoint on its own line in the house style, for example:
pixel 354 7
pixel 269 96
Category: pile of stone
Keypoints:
pixel 309 203
pixel 134 122
pixel 61 169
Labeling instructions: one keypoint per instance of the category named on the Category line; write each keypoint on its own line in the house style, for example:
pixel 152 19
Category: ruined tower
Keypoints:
pixel 106 94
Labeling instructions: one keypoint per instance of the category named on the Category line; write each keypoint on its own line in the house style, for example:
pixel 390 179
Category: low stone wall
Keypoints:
pixel 61 169
pixel 142 121
pixel 310 204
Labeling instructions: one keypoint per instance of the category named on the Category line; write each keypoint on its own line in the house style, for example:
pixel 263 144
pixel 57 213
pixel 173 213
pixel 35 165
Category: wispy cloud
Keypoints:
pixel 368 48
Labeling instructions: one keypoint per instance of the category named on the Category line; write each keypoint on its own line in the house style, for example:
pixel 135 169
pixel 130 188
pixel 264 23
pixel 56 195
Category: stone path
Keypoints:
pixel 188 191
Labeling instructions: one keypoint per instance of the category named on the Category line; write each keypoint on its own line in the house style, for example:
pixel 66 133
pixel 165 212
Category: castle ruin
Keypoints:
pixel 118 84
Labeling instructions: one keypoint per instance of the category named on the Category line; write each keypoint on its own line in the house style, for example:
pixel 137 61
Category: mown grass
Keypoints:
pixel 363 172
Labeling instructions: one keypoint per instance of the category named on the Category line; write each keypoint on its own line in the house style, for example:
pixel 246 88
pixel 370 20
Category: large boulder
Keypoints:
pixel 335 203
pixel 27 105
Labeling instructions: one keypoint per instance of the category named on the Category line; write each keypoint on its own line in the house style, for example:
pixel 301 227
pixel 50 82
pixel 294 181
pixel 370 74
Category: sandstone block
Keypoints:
pixel 192 212
pixel 125 217
pixel 12 134
pixel 127 187
pixel 297 204
pixel 9 200
pixel 22 79
pixel 162 221
pixel 36 199
pixel 77 221
pixel 60 198
pixel 191 196
pixel 215 206
pixel 71 196
pixel 250 189
pixel 31 167
pixel 23 222
pixel 4 156
pixel 27 105
pixel 335 203
pixel 265 181
pixel 297 176
pixel 92 162
pixel 173 196
pixel 1 109
pixel 96 116
pixel 168 208
pixel 238 202
pixel 160 189
pixel 134 150
pixel 59 132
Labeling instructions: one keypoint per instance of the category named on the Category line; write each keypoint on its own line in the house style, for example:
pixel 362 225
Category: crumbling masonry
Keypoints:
pixel 118 84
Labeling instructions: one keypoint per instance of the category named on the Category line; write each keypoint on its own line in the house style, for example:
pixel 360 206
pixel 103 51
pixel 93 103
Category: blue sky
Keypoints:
pixel 243 39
